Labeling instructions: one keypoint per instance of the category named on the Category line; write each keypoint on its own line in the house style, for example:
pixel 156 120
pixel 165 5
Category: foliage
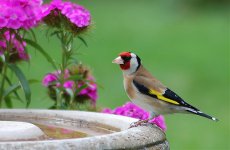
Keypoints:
pixel 16 19
pixel 64 20
pixel 75 88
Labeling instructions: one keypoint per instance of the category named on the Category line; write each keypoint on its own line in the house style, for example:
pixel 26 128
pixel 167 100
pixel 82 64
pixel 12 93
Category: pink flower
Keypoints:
pixel 48 79
pixel 3 21
pixel 74 79
pixel 3 45
pixel 69 84
pixel 75 13
pixel 90 91
pixel 17 14
pixel 14 18
pixel 17 51
pixel 51 77
pixel 160 122
pixel 131 110
pixel 47 8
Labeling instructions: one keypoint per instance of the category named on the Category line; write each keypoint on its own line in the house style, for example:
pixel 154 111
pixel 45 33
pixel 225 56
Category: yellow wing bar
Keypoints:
pixel 161 97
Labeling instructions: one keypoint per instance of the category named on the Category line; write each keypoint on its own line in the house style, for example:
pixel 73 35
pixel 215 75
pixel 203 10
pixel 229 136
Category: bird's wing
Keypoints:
pixel 152 91
pixel 148 85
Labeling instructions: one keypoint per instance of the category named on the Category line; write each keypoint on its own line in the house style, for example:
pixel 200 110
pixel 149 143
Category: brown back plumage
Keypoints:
pixel 144 77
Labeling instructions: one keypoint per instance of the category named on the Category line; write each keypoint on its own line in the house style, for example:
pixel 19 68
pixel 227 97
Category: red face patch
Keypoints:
pixel 125 66
pixel 126 57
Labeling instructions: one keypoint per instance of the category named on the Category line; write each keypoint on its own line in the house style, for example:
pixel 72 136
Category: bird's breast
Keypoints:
pixel 129 88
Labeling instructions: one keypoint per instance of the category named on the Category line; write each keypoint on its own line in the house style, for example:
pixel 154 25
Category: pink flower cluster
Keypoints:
pixel 77 14
pixel 17 14
pixel 90 92
pixel 17 48
pixel 131 110
pixel 52 78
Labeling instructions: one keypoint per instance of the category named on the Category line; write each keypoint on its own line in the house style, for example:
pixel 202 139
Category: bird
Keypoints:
pixel 144 90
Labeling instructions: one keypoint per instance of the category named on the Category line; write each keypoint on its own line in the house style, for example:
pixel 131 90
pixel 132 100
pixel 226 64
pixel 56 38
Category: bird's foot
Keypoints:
pixel 139 123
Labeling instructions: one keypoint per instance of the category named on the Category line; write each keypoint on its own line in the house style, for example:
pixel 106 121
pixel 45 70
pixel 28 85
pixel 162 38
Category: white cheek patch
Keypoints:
pixel 133 65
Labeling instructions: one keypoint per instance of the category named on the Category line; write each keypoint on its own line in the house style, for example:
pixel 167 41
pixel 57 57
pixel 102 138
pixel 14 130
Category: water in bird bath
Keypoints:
pixel 53 132
pixel 60 133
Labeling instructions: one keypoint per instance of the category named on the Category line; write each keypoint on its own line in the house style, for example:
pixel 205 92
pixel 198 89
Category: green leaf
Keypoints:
pixel 15 92
pixel 33 35
pixel 14 87
pixel 55 33
pixel 24 83
pixel 70 40
pixel 8 102
pixel 83 41
pixel 42 51
pixel 71 94
pixel 59 97
pixel 75 77
pixel 11 89
pixel 2 57
pixel 63 106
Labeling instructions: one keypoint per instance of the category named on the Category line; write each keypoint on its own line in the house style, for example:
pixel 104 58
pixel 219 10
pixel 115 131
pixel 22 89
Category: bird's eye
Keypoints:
pixel 125 58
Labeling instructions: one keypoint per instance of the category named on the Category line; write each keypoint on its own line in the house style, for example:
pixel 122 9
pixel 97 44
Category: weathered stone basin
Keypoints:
pixel 104 131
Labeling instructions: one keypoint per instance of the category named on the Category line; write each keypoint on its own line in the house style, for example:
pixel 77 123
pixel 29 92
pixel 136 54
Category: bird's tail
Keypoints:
pixel 199 113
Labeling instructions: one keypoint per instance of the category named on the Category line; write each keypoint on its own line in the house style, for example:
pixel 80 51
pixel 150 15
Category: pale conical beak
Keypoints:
pixel 118 60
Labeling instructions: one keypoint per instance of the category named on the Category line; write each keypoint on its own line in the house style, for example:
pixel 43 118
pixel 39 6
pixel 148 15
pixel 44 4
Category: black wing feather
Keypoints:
pixel 168 94
pixel 171 95
pixel 144 90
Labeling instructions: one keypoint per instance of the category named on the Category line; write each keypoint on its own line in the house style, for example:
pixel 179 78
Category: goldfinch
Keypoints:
pixel 147 92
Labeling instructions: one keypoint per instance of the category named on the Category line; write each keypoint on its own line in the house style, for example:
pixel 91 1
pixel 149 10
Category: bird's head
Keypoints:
pixel 129 62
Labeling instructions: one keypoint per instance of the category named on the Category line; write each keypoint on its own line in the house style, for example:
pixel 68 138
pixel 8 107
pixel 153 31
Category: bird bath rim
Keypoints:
pixel 138 137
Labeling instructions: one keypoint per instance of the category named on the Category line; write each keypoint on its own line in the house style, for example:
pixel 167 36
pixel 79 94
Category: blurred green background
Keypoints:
pixel 185 44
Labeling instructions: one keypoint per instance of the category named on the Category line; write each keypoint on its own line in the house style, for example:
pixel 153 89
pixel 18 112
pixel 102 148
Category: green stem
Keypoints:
pixel 65 39
pixel 4 70
pixel 64 55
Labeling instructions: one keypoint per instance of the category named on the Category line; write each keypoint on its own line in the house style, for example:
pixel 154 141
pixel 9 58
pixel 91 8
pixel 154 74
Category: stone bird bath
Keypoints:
pixel 97 131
